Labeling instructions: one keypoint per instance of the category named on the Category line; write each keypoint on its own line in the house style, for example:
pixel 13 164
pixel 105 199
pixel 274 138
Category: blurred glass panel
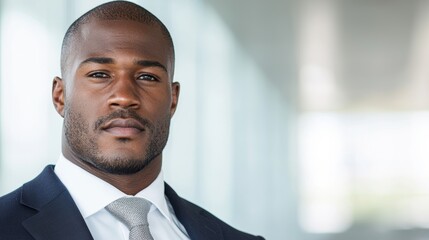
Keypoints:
pixel 364 168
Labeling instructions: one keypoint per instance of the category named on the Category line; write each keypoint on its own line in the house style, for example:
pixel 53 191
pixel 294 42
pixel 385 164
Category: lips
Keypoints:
pixel 123 127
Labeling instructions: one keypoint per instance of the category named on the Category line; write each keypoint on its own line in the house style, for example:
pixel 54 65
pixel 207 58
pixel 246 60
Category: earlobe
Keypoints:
pixel 175 90
pixel 58 95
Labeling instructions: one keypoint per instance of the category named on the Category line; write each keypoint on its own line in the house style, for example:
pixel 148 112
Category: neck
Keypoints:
pixel 129 184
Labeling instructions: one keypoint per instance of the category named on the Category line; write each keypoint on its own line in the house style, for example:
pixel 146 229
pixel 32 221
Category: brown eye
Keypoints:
pixel 147 77
pixel 98 75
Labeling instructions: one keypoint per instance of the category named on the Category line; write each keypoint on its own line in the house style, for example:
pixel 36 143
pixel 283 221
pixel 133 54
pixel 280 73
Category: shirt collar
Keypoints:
pixel 91 194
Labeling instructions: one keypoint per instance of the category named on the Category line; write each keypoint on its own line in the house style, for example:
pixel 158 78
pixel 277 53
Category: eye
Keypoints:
pixel 147 77
pixel 98 75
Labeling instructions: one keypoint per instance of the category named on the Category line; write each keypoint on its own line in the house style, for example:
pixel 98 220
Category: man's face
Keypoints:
pixel 118 96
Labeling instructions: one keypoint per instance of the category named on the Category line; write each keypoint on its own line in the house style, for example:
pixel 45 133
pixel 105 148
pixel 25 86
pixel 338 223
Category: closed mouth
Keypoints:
pixel 123 127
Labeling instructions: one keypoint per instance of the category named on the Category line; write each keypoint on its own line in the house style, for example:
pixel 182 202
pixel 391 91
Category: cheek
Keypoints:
pixel 159 109
pixel 86 109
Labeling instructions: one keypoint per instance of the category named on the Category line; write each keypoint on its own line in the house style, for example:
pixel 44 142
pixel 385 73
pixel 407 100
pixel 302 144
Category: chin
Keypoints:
pixel 121 165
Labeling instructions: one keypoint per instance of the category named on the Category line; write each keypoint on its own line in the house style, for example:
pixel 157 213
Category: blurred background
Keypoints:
pixel 297 119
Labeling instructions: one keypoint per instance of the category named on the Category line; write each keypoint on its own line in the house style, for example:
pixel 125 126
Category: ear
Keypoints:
pixel 58 95
pixel 175 90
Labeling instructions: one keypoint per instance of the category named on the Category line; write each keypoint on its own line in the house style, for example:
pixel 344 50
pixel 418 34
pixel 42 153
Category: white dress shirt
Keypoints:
pixel 91 195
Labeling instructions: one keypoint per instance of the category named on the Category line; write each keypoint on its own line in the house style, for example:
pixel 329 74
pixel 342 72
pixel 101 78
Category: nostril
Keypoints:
pixel 124 102
pixel 124 94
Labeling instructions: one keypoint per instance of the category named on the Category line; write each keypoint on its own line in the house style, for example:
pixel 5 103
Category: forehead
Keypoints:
pixel 120 38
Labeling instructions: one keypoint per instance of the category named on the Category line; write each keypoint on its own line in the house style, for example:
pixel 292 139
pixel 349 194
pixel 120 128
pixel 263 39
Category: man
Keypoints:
pixel 117 97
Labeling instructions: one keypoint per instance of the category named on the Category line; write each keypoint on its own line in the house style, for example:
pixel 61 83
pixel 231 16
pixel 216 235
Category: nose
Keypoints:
pixel 124 94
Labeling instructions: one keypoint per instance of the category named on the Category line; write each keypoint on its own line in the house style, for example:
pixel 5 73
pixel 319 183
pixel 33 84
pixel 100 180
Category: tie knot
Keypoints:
pixel 132 211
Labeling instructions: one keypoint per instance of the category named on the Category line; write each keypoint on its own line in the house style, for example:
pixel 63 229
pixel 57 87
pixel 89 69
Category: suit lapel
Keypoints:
pixel 57 216
pixel 197 222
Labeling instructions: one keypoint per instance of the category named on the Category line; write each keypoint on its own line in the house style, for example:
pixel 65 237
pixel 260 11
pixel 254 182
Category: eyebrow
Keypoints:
pixel 99 60
pixel 105 60
pixel 148 63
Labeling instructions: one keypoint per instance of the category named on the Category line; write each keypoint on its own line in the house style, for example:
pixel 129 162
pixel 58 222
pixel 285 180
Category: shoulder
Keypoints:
pixel 18 206
pixel 11 207
pixel 195 218
pixel 228 231
pixel 13 213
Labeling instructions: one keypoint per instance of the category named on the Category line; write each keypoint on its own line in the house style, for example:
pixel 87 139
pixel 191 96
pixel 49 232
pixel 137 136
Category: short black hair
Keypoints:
pixel 115 10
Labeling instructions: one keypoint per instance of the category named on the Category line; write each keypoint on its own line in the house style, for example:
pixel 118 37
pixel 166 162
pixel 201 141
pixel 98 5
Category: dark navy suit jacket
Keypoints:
pixel 43 209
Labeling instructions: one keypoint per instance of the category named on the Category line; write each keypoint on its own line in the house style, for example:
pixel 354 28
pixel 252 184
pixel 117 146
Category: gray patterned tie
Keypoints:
pixel 132 211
